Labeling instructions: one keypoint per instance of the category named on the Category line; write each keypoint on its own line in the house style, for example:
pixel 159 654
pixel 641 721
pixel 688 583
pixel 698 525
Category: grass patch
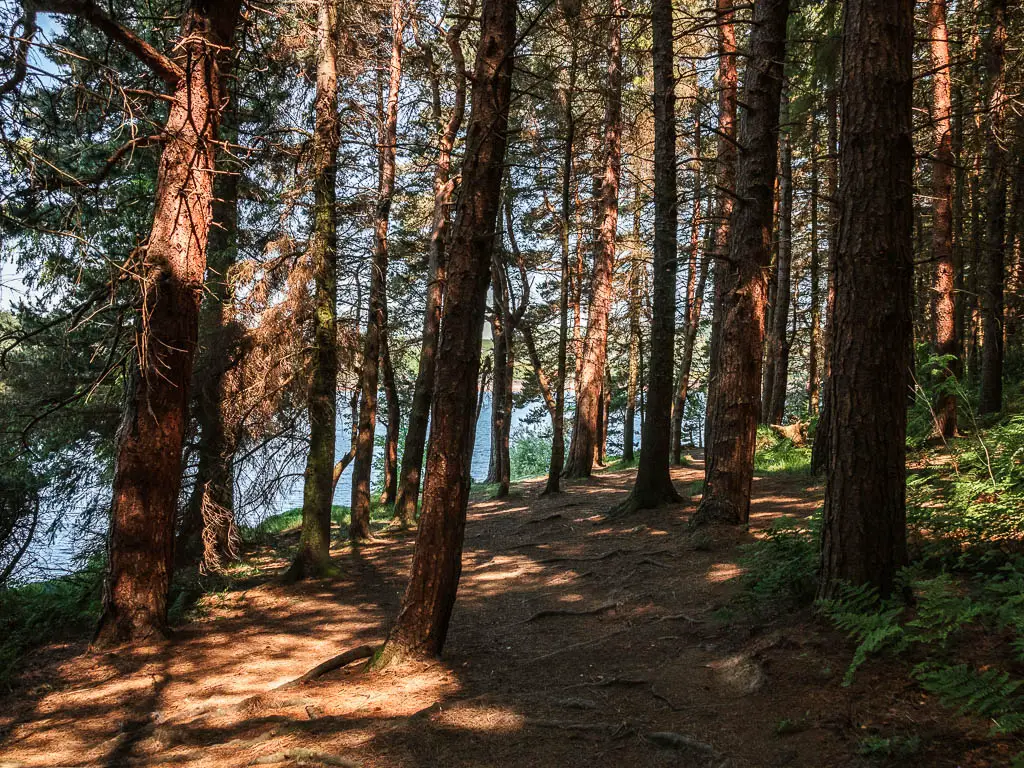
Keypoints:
pixel 774 454
pixel 46 611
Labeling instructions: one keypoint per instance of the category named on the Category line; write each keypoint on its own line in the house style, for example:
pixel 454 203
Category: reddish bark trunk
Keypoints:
pixel 147 472
pixel 359 527
pixel 943 289
pixel 734 394
pixel 584 446
pixel 419 410
pixel 422 623
pixel 728 80
pixel 864 530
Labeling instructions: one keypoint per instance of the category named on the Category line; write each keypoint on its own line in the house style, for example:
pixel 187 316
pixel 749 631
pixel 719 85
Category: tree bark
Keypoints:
pixel 864 529
pixel 653 485
pixel 991 399
pixel 422 623
pixel 779 342
pixel 389 489
pixel 419 410
pixel 734 394
pixel 147 471
pixel 313 558
pixel 209 532
pixel 728 80
pixel 943 289
pixel 583 448
pixel 694 302
pixel 813 364
pixel 819 450
pixel 553 484
pixel 376 322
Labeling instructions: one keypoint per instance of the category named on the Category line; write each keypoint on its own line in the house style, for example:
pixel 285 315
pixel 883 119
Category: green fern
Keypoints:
pixel 989 693
pixel 872 622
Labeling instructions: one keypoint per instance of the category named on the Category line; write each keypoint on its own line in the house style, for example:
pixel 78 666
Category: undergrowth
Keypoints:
pixel 774 454
pixel 46 610
pixel 962 629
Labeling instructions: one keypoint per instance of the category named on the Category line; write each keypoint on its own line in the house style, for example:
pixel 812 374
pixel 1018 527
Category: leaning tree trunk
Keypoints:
pixel 728 80
pixel 734 394
pixel 419 410
pixel 991 399
pixel 944 292
pixel 583 448
pixel 313 558
pixel 422 623
pixel 359 526
pixel 864 529
pixel 779 343
pixel 147 471
pixel 653 481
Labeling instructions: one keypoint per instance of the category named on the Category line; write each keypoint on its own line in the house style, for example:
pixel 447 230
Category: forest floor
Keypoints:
pixel 575 642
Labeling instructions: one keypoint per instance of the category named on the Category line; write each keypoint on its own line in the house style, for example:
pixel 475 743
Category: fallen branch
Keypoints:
pixel 570 612
pixel 341 660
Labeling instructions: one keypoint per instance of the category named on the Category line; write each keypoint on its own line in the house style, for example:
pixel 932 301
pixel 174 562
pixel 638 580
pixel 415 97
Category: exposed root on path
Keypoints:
pixel 341 660
pixel 571 612
pixel 304 757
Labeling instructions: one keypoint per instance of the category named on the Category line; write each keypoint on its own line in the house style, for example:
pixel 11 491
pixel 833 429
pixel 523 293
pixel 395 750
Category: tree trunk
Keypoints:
pixel 422 623
pixel 376 322
pixel 944 291
pixel 779 343
pixel 694 300
pixel 209 533
pixel 653 481
pixel 558 420
pixel 419 410
pixel 636 268
pixel 147 471
pixel 813 392
pixel 819 450
pixel 991 399
pixel 734 394
pixel 728 80
pixel 313 558
pixel 390 485
pixel 583 449
pixel 864 530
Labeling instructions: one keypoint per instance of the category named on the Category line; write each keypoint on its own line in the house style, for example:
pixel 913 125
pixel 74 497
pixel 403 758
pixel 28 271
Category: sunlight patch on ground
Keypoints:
pixel 722 572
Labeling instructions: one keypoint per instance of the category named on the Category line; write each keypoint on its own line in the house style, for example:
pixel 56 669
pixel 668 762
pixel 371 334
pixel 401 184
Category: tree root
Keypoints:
pixel 570 612
pixel 614 730
pixel 583 559
pixel 304 756
pixel 574 646
pixel 610 681
pixel 671 740
pixel 341 660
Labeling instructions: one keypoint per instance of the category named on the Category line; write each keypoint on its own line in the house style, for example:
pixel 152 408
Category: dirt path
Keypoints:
pixel 525 681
